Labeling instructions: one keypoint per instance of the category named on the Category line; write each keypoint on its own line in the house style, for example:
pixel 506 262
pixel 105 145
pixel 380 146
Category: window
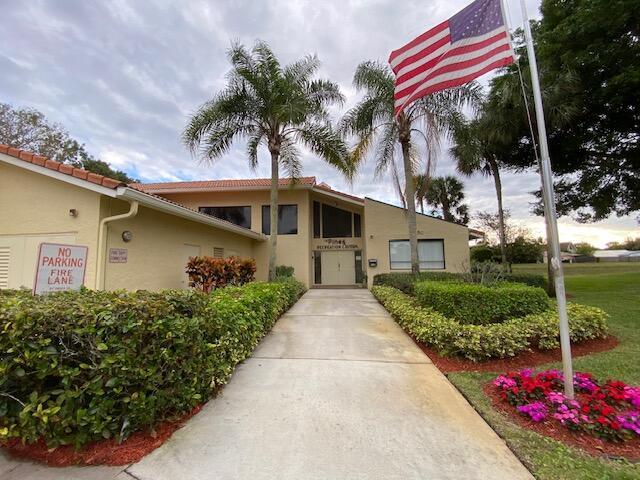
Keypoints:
pixel 336 223
pixel 218 252
pixel 287 219
pixel 357 225
pixel 238 215
pixel 316 219
pixel 430 254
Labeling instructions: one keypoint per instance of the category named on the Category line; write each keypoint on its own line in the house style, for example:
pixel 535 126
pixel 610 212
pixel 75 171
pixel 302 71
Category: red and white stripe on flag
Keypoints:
pixel 471 43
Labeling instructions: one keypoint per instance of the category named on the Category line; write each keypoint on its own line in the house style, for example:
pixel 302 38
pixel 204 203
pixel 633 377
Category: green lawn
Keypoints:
pixel 571 269
pixel 616 289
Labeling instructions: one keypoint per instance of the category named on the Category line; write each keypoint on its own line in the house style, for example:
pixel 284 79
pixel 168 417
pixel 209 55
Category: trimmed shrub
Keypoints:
pixel 478 304
pixel 497 340
pixel 81 366
pixel 209 273
pixel 406 281
pixel 283 271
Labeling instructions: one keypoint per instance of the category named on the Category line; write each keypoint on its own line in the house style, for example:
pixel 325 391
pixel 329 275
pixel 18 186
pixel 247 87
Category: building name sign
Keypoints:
pixel 118 255
pixel 337 244
pixel 60 267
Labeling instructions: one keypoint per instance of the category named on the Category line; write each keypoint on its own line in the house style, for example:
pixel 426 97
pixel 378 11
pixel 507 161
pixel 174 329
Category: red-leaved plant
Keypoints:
pixel 209 273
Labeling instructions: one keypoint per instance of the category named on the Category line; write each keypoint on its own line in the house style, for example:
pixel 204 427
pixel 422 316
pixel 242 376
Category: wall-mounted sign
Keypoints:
pixel 118 255
pixel 337 244
pixel 60 267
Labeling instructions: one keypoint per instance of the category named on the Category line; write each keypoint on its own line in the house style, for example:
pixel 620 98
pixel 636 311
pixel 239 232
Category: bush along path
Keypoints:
pixel 452 337
pixel 79 367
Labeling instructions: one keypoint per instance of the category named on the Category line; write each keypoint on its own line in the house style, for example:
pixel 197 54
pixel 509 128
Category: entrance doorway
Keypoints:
pixel 338 267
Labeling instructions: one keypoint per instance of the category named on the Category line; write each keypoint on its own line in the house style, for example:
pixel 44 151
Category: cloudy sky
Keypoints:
pixel 124 76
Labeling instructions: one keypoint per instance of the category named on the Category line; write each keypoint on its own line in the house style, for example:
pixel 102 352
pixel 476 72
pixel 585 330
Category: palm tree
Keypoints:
pixel 421 181
pixel 476 150
pixel 447 195
pixel 372 121
pixel 275 106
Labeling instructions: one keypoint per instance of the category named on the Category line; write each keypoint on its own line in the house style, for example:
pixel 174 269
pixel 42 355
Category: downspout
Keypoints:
pixel 102 241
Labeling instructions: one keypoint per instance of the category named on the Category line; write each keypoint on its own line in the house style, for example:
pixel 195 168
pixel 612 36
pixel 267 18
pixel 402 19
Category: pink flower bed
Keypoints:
pixel 609 410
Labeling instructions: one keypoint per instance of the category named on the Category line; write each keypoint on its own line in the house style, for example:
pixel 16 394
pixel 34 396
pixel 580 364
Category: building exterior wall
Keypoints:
pixel 35 208
pixel 292 250
pixel 385 222
pixel 161 245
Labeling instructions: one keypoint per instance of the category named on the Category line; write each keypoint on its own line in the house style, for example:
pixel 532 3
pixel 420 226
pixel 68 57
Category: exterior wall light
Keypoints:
pixel 127 236
pixel 73 212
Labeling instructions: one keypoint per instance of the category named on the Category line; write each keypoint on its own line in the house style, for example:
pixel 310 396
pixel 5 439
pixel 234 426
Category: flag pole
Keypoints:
pixel 550 211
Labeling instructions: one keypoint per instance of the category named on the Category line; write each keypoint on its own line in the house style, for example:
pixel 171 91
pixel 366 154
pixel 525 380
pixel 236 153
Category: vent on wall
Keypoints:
pixel 5 255
pixel 218 252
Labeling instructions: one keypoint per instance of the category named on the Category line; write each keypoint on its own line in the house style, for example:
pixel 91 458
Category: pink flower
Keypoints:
pixel 537 411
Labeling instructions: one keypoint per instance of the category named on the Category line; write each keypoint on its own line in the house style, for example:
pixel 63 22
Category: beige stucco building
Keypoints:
pixel 141 236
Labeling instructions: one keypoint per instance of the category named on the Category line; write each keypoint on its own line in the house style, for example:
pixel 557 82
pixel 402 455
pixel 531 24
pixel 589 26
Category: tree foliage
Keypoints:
pixel 589 57
pixel 28 129
pixel 446 195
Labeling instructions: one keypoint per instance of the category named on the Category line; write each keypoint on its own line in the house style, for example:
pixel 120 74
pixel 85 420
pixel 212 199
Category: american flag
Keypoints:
pixel 469 44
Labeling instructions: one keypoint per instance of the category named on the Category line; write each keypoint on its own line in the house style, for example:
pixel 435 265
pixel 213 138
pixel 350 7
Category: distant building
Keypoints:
pixel 614 255
pixel 568 252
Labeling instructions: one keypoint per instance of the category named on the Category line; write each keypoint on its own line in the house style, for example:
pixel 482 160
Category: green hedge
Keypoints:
pixel 475 304
pixel 80 366
pixel 406 281
pixel 497 340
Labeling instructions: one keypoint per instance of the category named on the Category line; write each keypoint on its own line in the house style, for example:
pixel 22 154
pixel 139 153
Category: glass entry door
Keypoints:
pixel 338 267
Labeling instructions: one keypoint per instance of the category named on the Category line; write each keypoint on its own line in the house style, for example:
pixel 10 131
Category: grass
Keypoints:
pixel 572 269
pixel 616 289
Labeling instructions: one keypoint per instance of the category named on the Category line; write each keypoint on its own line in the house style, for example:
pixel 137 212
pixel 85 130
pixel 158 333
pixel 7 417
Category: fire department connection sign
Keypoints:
pixel 60 267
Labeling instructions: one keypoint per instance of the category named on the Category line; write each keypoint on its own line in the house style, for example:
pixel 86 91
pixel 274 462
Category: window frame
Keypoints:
pixel 280 205
pixel 200 210
pixel 444 256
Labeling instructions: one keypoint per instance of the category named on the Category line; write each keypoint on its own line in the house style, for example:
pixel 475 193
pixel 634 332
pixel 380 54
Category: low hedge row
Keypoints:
pixel 80 366
pixel 497 340
pixel 475 304
pixel 406 281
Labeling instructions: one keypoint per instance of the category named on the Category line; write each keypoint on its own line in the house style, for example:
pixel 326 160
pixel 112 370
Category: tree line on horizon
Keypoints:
pixel 588 58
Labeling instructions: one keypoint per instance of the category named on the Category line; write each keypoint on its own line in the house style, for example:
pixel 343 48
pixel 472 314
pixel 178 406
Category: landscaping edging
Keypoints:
pixel 529 358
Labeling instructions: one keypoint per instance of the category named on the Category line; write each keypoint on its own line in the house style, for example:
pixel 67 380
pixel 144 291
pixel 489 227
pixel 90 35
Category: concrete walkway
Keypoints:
pixel 336 391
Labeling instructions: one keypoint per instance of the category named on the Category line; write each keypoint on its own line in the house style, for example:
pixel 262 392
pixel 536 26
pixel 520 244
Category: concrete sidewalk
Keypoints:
pixel 336 391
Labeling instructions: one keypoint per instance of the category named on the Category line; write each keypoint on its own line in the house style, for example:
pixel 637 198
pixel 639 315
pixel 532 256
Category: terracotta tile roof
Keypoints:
pixel 216 184
pixel 61 167
pixel 247 183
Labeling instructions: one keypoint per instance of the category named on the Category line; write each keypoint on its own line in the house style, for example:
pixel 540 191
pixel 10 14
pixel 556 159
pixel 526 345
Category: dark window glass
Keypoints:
pixel 317 271
pixel 287 219
pixel 359 272
pixel 336 222
pixel 238 215
pixel 357 225
pixel 316 219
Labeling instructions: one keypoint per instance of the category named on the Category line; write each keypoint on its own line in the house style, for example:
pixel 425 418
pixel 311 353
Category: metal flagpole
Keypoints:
pixel 550 212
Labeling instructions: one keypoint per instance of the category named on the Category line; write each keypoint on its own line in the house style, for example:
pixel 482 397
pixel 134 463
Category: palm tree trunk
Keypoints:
pixel 410 194
pixel 495 172
pixel 273 233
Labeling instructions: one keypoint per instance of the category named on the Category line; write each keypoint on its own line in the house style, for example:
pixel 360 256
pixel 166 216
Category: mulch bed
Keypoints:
pixel 530 358
pixel 629 450
pixel 102 452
